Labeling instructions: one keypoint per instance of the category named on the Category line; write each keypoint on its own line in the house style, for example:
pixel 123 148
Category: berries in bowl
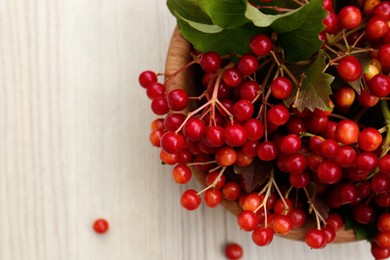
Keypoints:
pixel 281 112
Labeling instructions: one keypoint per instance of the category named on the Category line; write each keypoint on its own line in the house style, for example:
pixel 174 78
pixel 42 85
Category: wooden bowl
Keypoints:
pixel 179 54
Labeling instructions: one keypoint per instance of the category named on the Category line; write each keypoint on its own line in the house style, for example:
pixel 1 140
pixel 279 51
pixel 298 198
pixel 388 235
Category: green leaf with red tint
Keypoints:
pixel 315 90
pixel 255 174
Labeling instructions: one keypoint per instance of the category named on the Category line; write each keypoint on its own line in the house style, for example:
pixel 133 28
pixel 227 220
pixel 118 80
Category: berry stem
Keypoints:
pixel 212 185
pixel 312 208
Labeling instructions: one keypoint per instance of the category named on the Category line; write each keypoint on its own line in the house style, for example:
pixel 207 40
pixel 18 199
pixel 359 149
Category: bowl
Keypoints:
pixel 178 55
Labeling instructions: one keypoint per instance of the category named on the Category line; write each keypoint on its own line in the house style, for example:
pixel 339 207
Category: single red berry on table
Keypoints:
pixel 100 226
pixel 233 251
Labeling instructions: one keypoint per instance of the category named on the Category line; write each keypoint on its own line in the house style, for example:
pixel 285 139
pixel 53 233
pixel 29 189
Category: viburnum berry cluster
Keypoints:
pixel 290 143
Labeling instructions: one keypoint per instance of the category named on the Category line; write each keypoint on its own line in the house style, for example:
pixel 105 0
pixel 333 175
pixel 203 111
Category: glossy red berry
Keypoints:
pixel 177 99
pixel 281 87
pixel 247 220
pixel 278 114
pixel 349 68
pixel 100 226
pixel 190 199
pixel 233 251
pixel 384 55
pixel 260 44
pixel 247 64
pixel 172 142
pixel 210 61
pixel 262 236
pixel 369 139
pixel 379 85
pixel 347 131
pixel 350 17
pixel 315 238
pixel 146 77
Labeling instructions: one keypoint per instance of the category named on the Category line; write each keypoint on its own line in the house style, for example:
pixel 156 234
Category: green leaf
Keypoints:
pixel 188 9
pixel 227 41
pixel 205 28
pixel 298 32
pixel 227 14
pixel 315 89
pixel 261 19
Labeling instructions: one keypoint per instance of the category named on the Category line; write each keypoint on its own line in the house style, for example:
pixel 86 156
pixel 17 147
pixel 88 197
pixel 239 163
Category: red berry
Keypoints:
pixel 379 252
pixel 210 61
pixel 146 77
pixel 181 174
pixel 160 106
pixel 369 139
pixel 290 144
pixel 329 172
pixel 232 77
pixel 384 164
pixel 177 99
pixel 247 220
pixel 231 191
pixel 100 226
pixel 379 85
pixel 247 64
pixel 233 251
pixel 384 55
pixel 194 129
pixel 190 199
pixel 382 10
pixel 363 213
pixel 278 114
pixel 350 17
pixel 262 236
pixel 154 90
pixel 243 110
pixel 281 87
pixel 172 142
pixel 260 44
pixel 254 129
pixel 383 222
pixel 212 197
pixel 235 135
pixel 376 27
pixel 225 156
pixel 349 68
pixel 267 151
pixel 347 131
pixel 282 224
pixel 315 238
pixel 335 220
pixel 215 136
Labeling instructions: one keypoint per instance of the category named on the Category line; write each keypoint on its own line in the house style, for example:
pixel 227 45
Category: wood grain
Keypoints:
pixel 74 142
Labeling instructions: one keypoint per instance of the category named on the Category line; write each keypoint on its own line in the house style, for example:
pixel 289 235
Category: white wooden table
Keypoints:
pixel 74 142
